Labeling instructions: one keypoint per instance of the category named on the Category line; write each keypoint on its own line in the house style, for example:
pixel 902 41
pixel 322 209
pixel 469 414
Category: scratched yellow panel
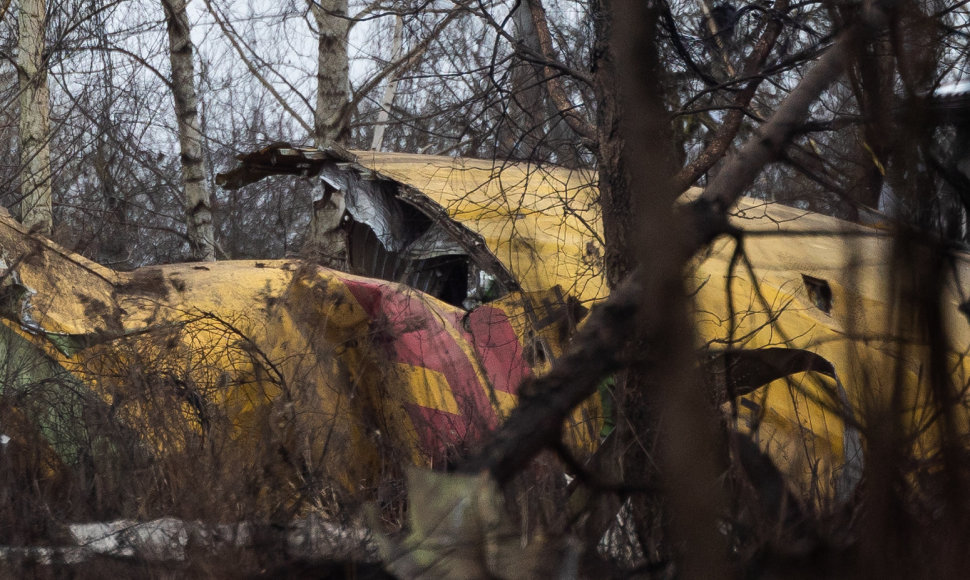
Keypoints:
pixel 428 388
pixel 542 223
pixel 506 402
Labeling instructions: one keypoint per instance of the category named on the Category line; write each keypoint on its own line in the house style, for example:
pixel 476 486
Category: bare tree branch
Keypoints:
pixel 232 37
pixel 557 92
pixel 732 123
pixel 742 168
pixel 406 60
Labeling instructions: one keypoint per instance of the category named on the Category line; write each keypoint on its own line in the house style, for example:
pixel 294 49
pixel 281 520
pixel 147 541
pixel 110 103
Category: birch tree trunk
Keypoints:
pixel 326 241
pixel 35 180
pixel 330 122
pixel 198 205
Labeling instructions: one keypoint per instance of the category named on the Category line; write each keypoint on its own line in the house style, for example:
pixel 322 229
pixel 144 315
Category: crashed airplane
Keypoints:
pixel 299 373
pixel 455 280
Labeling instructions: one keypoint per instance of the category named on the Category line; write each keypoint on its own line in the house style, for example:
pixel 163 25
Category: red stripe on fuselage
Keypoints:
pixel 441 433
pixel 498 348
pixel 414 333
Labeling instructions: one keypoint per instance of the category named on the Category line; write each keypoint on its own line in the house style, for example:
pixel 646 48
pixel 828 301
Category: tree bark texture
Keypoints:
pixel 618 226
pixel 326 241
pixel 35 166
pixel 664 393
pixel 330 121
pixel 198 204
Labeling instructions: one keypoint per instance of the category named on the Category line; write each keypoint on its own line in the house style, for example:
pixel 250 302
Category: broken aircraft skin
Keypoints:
pixel 800 345
pixel 518 227
pixel 340 372
pixel 467 276
pixel 818 303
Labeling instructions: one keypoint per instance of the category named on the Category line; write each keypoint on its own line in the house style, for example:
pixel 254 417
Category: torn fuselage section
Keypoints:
pixel 390 239
pixel 363 224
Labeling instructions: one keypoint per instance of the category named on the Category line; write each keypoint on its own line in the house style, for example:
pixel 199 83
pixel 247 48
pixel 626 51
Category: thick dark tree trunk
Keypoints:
pixel 614 186
pixel 633 458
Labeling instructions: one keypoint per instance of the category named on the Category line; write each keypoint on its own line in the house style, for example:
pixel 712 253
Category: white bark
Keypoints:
pixel 333 83
pixel 390 89
pixel 35 181
pixel 326 242
pixel 198 205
